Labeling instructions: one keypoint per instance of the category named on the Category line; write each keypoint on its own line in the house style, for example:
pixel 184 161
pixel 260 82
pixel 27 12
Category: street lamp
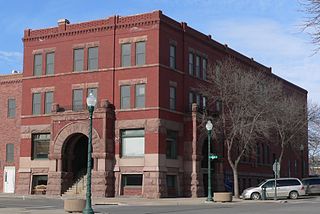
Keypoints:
pixel 209 127
pixel 302 161
pixel 91 102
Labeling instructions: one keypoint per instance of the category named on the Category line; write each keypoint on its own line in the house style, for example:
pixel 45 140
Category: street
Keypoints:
pixel 308 205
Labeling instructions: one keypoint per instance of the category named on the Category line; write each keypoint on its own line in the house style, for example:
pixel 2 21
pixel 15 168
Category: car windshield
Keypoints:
pixel 261 183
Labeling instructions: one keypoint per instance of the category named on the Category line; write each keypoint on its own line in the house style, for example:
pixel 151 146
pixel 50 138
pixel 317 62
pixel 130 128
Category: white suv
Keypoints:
pixel 286 187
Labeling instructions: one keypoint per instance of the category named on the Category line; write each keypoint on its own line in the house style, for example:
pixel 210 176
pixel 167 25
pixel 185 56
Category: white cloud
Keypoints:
pixel 10 56
pixel 283 48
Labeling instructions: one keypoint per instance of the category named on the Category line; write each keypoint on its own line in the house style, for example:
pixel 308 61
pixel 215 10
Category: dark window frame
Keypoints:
pixel 191 63
pixel 77 104
pixel 172 144
pixel 93 61
pixel 126 97
pixel 11 110
pixel 36 104
pixel 10 152
pixel 48 103
pixel 140 99
pixel 173 56
pixel 78 61
pixel 125 56
pixel 46 143
pixel 173 99
pixel 49 64
pixel 140 55
pixel 37 64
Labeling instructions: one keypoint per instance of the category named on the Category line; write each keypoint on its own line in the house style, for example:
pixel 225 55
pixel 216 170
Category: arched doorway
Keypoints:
pixel 74 159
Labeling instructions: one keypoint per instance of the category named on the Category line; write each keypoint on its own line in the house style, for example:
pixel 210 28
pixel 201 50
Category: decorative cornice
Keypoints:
pixel 108 24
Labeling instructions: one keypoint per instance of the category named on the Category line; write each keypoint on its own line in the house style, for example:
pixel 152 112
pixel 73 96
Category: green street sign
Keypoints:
pixel 213 157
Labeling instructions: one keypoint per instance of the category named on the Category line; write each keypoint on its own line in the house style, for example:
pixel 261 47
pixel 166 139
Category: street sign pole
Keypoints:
pixel 276 170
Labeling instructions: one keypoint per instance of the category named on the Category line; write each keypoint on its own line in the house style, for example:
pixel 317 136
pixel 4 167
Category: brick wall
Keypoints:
pixel 10 88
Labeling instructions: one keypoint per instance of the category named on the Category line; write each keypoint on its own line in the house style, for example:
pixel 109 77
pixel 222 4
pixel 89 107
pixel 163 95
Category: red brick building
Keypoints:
pixel 10 108
pixel 144 71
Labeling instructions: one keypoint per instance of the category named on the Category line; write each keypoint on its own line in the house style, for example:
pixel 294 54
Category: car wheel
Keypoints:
pixel 255 196
pixel 293 195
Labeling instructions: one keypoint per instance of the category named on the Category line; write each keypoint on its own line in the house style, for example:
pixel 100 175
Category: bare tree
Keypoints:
pixel 312 10
pixel 245 98
pixel 314 138
pixel 289 122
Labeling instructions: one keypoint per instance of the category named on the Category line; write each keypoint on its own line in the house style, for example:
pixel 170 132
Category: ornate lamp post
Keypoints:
pixel 209 127
pixel 91 102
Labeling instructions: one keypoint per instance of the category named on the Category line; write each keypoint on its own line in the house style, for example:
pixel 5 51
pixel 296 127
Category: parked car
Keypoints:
pixel 286 188
pixel 312 185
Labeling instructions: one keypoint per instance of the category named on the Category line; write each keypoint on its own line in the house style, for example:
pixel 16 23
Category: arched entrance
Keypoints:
pixel 74 158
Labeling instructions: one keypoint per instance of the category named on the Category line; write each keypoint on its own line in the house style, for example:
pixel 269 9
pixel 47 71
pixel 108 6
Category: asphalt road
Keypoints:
pixel 49 206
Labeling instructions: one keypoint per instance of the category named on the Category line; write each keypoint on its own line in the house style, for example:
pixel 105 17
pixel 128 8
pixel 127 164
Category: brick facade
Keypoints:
pixel 156 118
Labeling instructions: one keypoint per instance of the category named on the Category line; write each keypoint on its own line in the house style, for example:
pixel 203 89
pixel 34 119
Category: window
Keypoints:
pixel 11 108
pixel 132 143
pixel 140 96
pixel 191 63
pixel 132 180
pixel 140 53
pixel 190 100
pixel 93 58
pixel 37 67
pixel 78 55
pixel 50 63
pixel 171 140
pixel 171 181
pixel 36 103
pixel 204 102
pixel 94 91
pixel 173 56
pixel 173 99
pixel 198 66
pixel 268 184
pixel 9 152
pixel 48 102
pixel 289 182
pixel 125 97
pixel 38 180
pixel 198 99
pixel 204 69
pixel 77 100
pixel 126 55
pixel 40 145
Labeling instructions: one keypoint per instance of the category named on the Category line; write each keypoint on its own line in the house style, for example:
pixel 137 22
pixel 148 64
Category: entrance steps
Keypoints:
pixel 78 188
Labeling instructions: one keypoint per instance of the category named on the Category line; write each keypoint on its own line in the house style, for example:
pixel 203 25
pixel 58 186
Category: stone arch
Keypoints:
pixel 72 128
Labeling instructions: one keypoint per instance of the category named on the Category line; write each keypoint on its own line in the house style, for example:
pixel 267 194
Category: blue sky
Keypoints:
pixel 267 30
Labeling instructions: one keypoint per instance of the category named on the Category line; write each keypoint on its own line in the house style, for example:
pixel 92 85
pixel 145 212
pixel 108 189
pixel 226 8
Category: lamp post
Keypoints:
pixel 209 127
pixel 302 161
pixel 91 102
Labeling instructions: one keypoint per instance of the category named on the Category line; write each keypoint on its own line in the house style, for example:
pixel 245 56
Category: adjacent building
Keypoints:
pixel 145 71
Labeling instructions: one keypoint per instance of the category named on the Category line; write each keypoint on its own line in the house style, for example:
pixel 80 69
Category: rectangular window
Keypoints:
pixel 78 59
pixel 190 100
pixel 125 97
pixel 77 100
pixel 40 145
pixel 198 66
pixel 173 98
pixel 204 102
pixel 39 183
pixel 126 55
pixel 191 63
pixel 172 147
pixel 173 56
pixel 204 69
pixel 50 63
pixel 93 58
pixel 140 96
pixel 140 53
pixel 94 91
pixel 36 103
pixel 11 108
pixel 37 66
pixel 132 143
pixel 9 152
pixel 48 102
pixel 132 180
pixel 198 100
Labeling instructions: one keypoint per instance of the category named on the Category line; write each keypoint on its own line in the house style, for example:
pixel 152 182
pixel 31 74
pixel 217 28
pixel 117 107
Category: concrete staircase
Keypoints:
pixel 78 188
